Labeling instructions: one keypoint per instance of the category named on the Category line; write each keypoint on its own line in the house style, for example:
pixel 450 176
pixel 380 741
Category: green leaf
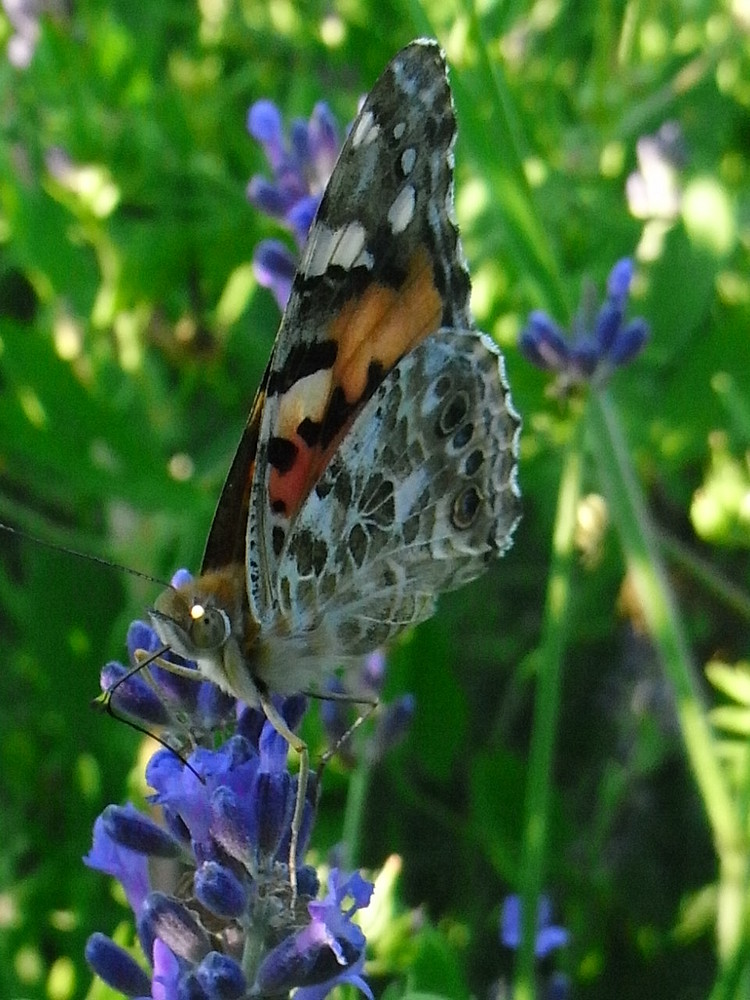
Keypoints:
pixel 733 681
pixel 436 970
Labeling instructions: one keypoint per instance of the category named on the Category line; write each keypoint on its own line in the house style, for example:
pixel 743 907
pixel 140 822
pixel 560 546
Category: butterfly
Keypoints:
pixel 378 466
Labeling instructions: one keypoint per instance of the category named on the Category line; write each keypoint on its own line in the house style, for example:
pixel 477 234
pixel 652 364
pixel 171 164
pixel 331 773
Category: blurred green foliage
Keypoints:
pixel 132 337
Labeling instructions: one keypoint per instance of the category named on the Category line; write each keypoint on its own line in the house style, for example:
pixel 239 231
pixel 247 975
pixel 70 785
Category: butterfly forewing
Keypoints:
pixel 382 270
pixel 227 538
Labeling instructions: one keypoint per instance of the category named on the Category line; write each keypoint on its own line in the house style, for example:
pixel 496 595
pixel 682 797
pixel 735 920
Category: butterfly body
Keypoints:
pixel 378 465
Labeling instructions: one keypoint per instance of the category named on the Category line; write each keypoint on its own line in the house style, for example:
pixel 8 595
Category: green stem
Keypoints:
pixel 735 598
pixel 354 812
pixel 640 546
pixel 546 708
pixel 733 982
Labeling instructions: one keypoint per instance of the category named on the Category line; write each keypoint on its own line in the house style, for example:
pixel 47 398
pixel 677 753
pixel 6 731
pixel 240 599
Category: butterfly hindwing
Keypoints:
pixel 417 499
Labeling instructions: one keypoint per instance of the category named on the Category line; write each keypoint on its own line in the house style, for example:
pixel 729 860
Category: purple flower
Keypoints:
pixel 275 266
pixel 123 972
pixel 328 952
pixel 128 866
pixel 301 164
pixel 166 976
pixel 225 815
pixel 600 340
pixel 549 937
pixel 23 16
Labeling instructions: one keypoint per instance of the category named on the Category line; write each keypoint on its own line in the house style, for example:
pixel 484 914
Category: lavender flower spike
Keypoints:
pixel 228 925
pixel 600 341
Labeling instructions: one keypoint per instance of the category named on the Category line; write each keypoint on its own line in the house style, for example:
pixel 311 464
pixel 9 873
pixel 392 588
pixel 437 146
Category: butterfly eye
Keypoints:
pixel 209 627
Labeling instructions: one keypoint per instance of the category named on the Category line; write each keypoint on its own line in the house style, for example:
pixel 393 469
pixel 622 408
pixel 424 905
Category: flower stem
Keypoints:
pixel 354 812
pixel 640 546
pixel 546 708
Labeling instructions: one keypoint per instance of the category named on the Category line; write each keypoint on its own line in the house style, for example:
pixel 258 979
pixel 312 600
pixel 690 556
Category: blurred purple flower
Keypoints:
pixel 23 16
pixel 24 19
pixel 549 937
pixel 301 164
pixel 600 340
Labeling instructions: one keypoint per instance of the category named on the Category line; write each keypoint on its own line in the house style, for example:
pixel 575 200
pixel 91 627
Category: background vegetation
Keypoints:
pixel 583 713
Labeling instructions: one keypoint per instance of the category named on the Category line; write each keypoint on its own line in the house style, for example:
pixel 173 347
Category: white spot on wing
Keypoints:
pixel 365 131
pixel 399 129
pixel 402 210
pixel 408 159
pixel 344 247
pixel 350 250
pixel 318 251
pixel 306 398
pixel 364 259
pixel 450 206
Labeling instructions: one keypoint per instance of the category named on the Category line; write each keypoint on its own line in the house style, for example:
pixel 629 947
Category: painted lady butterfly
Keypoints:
pixel 378 464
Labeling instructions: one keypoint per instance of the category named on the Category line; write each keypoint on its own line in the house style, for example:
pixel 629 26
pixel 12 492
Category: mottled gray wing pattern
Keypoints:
pixel 418 498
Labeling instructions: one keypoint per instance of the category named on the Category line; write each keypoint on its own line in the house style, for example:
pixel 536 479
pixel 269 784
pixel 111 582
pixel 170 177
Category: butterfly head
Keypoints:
pixel 191 628
pixel 206 620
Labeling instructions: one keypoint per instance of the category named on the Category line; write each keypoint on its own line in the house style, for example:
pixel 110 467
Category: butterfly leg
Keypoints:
pixel 144 659
pixel 279 724
pixel 370 706
pixel 297 743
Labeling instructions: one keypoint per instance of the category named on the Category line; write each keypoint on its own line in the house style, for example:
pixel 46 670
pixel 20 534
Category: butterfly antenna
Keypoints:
pixel 103 702
pixel 82 555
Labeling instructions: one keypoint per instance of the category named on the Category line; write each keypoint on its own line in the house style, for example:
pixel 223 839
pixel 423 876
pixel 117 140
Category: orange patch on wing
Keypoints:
pixel 291 487
pixel 383 325
pixel 379 327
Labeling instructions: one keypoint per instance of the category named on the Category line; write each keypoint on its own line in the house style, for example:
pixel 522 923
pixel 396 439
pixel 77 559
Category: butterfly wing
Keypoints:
pixel 226 539
pixel 416 500
pixel 382 270
pixel 362 297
